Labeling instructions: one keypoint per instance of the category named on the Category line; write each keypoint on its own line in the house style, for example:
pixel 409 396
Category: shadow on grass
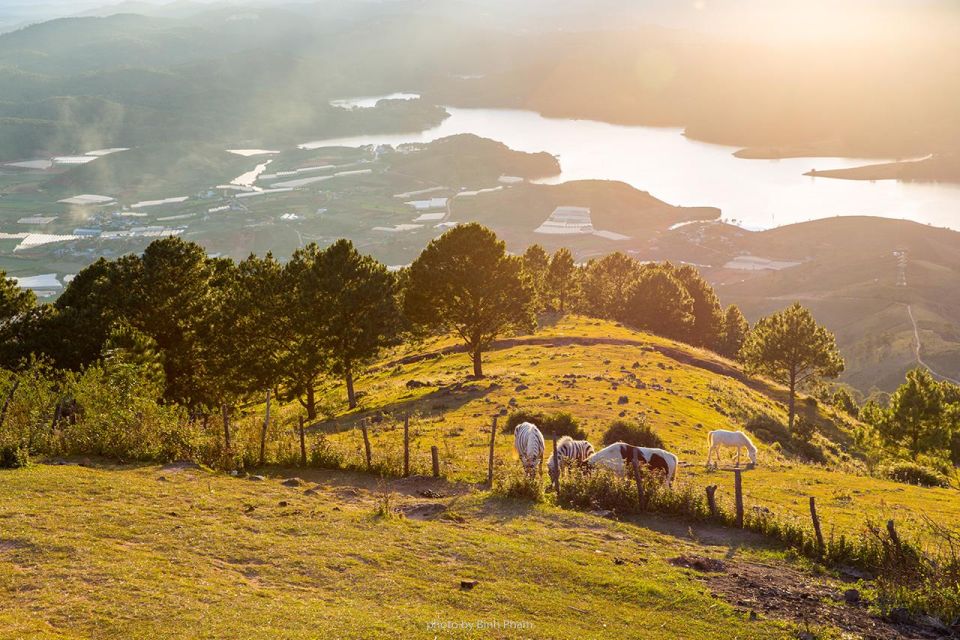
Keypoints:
pixel 431 405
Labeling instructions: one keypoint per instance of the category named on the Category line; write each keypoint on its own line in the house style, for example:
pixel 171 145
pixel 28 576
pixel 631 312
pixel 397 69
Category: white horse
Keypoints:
pixel 738 439
pixel 568 449
pixel 528 441
pixel 618 457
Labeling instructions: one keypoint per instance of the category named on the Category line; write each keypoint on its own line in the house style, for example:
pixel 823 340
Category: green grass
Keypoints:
pixel 136 552
pixel 120 553
pixel 691 401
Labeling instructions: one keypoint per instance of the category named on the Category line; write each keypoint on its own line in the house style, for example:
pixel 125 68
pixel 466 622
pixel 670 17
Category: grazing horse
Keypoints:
pixel 619 456
pixel 528 441
pixel 576 451
pixel 722 438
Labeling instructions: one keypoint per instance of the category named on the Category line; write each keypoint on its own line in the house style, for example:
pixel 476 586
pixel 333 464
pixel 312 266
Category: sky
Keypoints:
pixel 772 20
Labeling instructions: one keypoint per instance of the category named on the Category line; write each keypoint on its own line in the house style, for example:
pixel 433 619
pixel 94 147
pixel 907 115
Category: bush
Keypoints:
pixel 768 429
pixel 913 473
pixel 598 490
pixel 323 455
pixel 14 457
pixel 561 424
pixel 639 434
pixel 803 429
pixel 121 416
pixel 517 485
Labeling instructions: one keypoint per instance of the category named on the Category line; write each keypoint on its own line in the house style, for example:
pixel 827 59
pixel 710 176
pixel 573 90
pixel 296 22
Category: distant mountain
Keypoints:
pixel 877 283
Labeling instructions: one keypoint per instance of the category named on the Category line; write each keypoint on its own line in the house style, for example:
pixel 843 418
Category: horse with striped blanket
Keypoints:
pixel 528 441
pixel 568 450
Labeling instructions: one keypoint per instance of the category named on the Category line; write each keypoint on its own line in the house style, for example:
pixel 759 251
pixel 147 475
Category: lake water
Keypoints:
pixel 755 194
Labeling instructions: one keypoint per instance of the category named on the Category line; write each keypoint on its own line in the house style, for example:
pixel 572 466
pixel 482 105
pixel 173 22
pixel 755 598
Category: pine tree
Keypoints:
pixel 465 282
pixel 735 330
pixel 658 302
pixel 536 266
pixel 793 349
pixel 361 314
pixel 708 318
pixel 560 278
pixel 607 281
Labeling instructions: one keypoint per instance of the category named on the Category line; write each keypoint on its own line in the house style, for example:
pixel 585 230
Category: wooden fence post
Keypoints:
pixel 557 463
pixel 892 530
pixel 493 438
pixel 406 446
pixel 226 428
pixel 738 495
pixel 435 458
pixel 263 432
pixel 303 445
pixel 635 463
pixel 712 500
pixel 366 444
pixel 816 523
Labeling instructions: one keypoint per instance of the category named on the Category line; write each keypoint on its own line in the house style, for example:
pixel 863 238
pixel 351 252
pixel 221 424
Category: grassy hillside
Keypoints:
pixel 600 372
pixel 177 551
pixel 160 553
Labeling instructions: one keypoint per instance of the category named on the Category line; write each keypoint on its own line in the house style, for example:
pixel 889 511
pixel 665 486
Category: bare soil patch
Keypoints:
pixel 779 591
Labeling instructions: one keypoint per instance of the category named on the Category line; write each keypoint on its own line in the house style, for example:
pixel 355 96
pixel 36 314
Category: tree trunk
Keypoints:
pixel 791 415
pixel 6 402
pixel 563 295
pixel 311 404
pixel 351 394
pixel 477 363
pixel 263 432
pixel 226 429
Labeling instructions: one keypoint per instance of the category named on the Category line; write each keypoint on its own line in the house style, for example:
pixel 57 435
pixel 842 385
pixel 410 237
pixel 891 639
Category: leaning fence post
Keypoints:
pixel 493 438
pixel 406 446
pixel 635 463
pixel 303 445
pixel 738 495
pixel 366 444
pixel 712 500
pixel 557 464
pixel 435 458
pixel 816 523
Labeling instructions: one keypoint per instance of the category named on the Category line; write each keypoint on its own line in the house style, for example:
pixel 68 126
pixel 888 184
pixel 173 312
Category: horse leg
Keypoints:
pixel 738 456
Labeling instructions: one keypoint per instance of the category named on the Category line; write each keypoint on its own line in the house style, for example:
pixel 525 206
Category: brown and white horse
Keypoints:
pixel 618 458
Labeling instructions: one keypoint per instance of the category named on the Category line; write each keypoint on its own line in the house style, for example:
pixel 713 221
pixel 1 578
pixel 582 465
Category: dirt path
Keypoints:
pixel 714 365
pixel 917 346
pixel 780 591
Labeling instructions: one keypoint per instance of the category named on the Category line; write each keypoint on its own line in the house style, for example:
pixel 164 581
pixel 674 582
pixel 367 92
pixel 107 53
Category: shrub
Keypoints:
pixel 517 485
pixel 323 455
pixel 913 473
pixel 598 490
pixel 14 457
pixel 121 416
pixel 639 434
pixel 844 401
pixel 803 429
pixel 768 429
pixel 561 424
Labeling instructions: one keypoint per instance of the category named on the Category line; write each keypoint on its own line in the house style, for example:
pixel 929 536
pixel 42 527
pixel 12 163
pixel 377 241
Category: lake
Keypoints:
pixel 755 194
